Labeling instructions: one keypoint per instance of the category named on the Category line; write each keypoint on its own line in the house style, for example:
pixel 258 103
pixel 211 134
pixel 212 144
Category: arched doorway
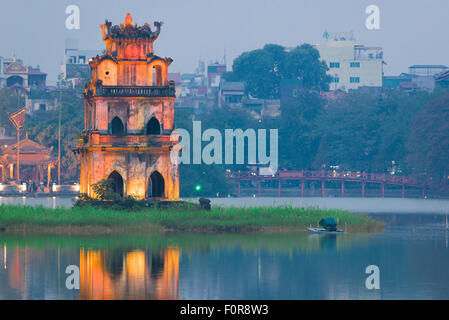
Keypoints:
pixel 153 126
pixel 156 185
pixel 117 127
pixel 116 182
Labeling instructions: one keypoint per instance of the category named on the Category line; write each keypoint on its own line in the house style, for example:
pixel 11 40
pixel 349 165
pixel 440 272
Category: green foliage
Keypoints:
pixel 183 218
pixel 211 177
pixel 368 131
pixel 104 190
pixel 263 69
pixel 298 124
pixel 113 202
pixel 428 145
pixel 303 63
pixel 10 101
pixel 42 127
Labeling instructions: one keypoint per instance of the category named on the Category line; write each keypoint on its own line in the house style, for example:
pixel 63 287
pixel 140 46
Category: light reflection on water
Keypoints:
pixel 136 274
pixel 412 255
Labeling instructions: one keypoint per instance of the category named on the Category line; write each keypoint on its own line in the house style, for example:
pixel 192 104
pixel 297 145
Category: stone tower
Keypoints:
pixel 129 116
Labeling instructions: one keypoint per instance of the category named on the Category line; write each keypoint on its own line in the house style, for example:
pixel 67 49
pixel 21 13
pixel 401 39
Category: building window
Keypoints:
pixel 355 64
pixel 334 65
pixel 354 79
pixel 295 92
pixel 335 79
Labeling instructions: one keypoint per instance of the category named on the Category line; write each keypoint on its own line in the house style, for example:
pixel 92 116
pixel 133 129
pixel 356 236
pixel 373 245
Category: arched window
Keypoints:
pixel 14 80
pixel 157 76
pixel 116 181
pixel 153 126
pixel 117 127
pixel 156 185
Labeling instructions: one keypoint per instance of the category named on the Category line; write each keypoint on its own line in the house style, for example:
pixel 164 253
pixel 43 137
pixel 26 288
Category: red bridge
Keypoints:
pixel 322 176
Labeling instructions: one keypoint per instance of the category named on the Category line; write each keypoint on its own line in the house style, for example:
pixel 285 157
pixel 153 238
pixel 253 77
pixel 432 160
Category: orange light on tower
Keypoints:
pixel 121 136
pixel 128 19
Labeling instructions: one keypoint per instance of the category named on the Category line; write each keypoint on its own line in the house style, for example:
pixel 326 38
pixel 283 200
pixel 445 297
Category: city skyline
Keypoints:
pixel 206 29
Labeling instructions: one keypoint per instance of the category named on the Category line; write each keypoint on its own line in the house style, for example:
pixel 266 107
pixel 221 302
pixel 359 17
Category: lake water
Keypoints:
pixel 412 256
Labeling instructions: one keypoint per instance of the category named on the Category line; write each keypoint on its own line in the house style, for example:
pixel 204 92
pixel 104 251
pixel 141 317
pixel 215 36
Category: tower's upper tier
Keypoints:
pixel 129 63
pixel 128 40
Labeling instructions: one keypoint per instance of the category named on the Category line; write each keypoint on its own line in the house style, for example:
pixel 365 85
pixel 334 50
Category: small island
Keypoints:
pixel 88 219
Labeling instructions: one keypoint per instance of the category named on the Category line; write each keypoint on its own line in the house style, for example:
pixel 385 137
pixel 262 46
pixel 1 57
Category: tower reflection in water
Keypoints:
pixel 124 274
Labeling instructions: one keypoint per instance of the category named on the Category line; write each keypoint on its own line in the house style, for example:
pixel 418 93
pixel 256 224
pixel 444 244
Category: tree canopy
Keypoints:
pixel 263 69
pixel 428 146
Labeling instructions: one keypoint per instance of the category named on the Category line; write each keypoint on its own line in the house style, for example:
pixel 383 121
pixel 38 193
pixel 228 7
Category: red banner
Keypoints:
pixel 18 118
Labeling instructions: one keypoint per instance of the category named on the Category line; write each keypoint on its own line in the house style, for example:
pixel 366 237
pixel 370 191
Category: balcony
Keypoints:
pixel 132 91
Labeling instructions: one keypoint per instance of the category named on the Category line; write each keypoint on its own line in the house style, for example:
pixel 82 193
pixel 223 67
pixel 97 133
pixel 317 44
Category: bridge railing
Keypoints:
pixel 325 174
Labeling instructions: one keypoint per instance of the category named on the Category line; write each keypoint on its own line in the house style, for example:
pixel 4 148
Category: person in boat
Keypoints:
pixel 329 224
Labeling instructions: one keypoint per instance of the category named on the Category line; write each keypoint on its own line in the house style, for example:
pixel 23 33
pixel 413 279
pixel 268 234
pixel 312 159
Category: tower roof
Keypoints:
pixel 128 30
pixel 27 146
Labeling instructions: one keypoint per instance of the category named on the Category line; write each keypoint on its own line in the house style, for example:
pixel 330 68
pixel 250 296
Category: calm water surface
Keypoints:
pixel 412 255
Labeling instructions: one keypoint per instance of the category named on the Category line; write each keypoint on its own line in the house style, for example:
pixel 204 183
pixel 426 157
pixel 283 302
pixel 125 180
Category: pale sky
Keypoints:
pixel 411 31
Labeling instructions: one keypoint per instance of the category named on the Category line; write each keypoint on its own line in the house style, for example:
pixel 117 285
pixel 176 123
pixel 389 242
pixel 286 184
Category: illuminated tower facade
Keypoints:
pixel 129 116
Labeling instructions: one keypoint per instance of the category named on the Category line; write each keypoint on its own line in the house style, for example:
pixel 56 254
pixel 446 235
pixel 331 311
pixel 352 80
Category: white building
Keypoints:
pixel 351 65
pixel 76 62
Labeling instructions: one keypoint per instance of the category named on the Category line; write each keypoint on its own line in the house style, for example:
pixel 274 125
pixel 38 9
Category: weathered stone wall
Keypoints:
pixel 135 169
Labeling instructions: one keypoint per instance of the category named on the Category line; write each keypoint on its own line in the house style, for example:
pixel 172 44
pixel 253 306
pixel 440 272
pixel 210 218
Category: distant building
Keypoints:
pixel 351 65
pixel 36 160
pixel 15 73
pixel 29 81
pixel 76 65
pixel 442 80
pixel 231 93
pixel 424 70
pixel 176 78
pixel 419 78
pixel 401 81
pixel 214 73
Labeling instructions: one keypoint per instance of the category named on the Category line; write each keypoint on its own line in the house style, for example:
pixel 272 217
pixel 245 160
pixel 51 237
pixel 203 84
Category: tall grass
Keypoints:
pixel 219 218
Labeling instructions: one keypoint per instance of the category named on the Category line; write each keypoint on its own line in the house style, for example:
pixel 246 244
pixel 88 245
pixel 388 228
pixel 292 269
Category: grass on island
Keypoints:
pixel 181 219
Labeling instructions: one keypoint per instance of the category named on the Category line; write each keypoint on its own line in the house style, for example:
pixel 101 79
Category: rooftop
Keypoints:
pixel 428 66
pixel 232 86
pixel 128 30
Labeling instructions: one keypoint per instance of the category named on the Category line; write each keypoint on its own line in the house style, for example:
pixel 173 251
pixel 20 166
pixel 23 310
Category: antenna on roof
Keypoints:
pixel 224 56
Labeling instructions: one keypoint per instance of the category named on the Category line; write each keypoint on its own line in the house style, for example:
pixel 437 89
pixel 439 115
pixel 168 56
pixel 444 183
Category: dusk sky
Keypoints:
pixel 411 32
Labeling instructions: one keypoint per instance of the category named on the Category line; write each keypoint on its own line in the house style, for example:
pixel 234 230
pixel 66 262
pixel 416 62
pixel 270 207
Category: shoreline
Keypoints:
pixel 154 229
pixel 354 205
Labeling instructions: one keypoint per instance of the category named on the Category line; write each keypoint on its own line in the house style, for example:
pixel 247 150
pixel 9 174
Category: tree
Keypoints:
pixel 10 101
pixel 368 131
pixel 43 127
pixel 263 69
pixel 298 139
pixel 303 63
pixel 428 145
pixel 260 70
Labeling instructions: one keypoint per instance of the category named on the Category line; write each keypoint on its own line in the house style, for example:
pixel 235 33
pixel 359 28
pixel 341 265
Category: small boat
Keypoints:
pixel 320 230
pixel 329 226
